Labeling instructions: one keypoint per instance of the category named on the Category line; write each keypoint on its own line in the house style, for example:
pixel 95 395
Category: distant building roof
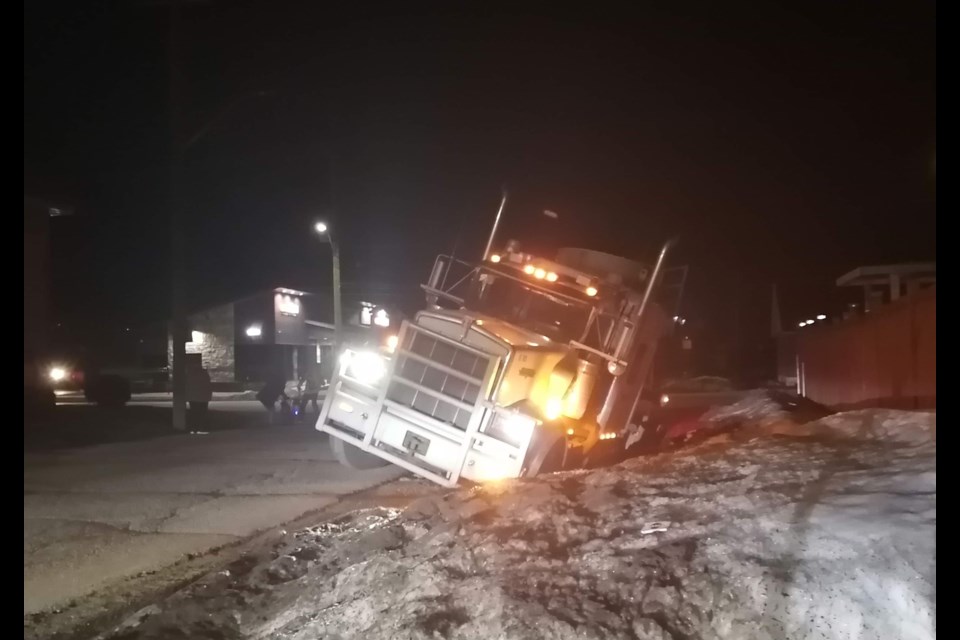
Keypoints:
pixel 916 271
pixel 291 292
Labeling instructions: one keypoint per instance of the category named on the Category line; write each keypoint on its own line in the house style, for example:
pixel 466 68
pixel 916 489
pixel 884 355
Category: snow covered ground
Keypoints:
pixel 774 530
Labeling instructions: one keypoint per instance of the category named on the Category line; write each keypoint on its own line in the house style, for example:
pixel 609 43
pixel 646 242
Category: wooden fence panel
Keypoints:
pixel 887 358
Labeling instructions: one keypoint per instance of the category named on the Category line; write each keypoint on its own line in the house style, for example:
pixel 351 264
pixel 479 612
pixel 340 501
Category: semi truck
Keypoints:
pixel 518 365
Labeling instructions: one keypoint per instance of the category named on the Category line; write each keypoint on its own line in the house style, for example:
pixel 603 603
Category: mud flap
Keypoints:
pixel 636 434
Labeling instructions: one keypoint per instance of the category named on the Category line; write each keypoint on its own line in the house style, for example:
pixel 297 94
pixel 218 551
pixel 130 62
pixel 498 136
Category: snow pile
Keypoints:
pixel 755 408
pixel 829 537
pixel 908 427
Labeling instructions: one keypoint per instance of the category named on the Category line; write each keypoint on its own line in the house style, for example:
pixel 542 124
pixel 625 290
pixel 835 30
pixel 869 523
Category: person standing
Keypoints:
pixel 313 387
pixel 199 389
pixel 271 392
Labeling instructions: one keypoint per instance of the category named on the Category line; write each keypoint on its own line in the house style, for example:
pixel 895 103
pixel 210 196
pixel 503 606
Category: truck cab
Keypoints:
pixel 517 366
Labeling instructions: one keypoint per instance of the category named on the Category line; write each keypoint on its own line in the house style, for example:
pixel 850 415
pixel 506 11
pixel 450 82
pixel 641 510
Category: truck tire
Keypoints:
pixel 354 458
pixel 653 439
pixel 547 457
pixel 605 456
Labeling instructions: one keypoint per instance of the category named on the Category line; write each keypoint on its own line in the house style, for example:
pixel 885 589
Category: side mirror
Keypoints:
pixel 616 369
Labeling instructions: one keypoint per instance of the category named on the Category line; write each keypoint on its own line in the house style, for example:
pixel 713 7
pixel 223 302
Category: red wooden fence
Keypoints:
pixel 887 358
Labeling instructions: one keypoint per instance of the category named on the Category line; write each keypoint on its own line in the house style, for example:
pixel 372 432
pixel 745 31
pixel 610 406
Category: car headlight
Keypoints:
pixel 392 342
pixel 366 367
pixel 512 428
pixel 57 374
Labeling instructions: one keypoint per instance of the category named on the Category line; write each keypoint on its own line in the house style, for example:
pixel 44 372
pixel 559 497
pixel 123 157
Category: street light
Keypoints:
pixel 324 232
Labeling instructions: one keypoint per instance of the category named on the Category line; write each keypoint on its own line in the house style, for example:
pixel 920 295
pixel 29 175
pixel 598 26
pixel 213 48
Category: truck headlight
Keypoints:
pixel 553 408
pixel 366 367
pixel 392 342
pixel 512 428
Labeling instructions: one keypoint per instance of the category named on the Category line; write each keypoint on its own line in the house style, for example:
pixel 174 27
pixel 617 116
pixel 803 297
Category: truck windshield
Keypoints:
pixel 528 307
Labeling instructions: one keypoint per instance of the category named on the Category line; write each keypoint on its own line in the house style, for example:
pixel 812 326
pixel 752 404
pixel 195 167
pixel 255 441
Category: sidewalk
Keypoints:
pixel 218 396
pixel 95 516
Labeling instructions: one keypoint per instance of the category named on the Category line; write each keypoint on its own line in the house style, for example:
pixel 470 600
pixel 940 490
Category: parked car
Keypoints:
pixel 106 390
pixel 672 412
pixel 692 393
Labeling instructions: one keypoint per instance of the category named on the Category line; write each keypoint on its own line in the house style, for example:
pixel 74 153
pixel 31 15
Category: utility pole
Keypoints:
pixel 180 142
pixel 177 248
pixel 337 305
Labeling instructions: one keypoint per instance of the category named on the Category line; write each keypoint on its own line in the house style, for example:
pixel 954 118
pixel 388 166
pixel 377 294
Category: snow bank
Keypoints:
pixel 759 413
pixel 793 537
pixel 907 427
pixel 757 408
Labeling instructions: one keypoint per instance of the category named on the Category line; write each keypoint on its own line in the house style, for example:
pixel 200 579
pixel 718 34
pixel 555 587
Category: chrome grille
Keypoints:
pixel 437 378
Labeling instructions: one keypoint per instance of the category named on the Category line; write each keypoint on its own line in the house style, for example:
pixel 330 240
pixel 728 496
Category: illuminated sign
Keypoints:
pixel 288 305
pixel 371 315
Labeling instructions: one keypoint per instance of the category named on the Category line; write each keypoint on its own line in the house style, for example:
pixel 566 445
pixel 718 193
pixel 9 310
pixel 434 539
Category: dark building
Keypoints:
pixel 36 280
pixel 36 276
pixel 279 331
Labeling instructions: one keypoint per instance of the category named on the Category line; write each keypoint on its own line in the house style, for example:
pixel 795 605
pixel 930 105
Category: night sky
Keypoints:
pixel 782 144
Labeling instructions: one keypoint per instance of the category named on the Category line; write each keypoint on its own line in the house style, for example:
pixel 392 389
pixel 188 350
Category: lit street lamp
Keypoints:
pixel 324 232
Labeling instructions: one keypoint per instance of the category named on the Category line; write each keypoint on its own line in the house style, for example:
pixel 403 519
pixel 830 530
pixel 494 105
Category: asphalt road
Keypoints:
pixel 226 401
pixel 136 499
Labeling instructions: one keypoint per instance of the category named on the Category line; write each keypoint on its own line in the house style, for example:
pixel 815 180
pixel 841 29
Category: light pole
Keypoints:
pixel 324 232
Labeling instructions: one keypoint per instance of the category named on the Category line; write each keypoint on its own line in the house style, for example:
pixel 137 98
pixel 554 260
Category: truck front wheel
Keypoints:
pixel 548 458
pixel 354 458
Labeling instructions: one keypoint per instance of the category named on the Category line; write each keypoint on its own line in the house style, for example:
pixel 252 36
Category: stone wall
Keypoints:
pixel 212 336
